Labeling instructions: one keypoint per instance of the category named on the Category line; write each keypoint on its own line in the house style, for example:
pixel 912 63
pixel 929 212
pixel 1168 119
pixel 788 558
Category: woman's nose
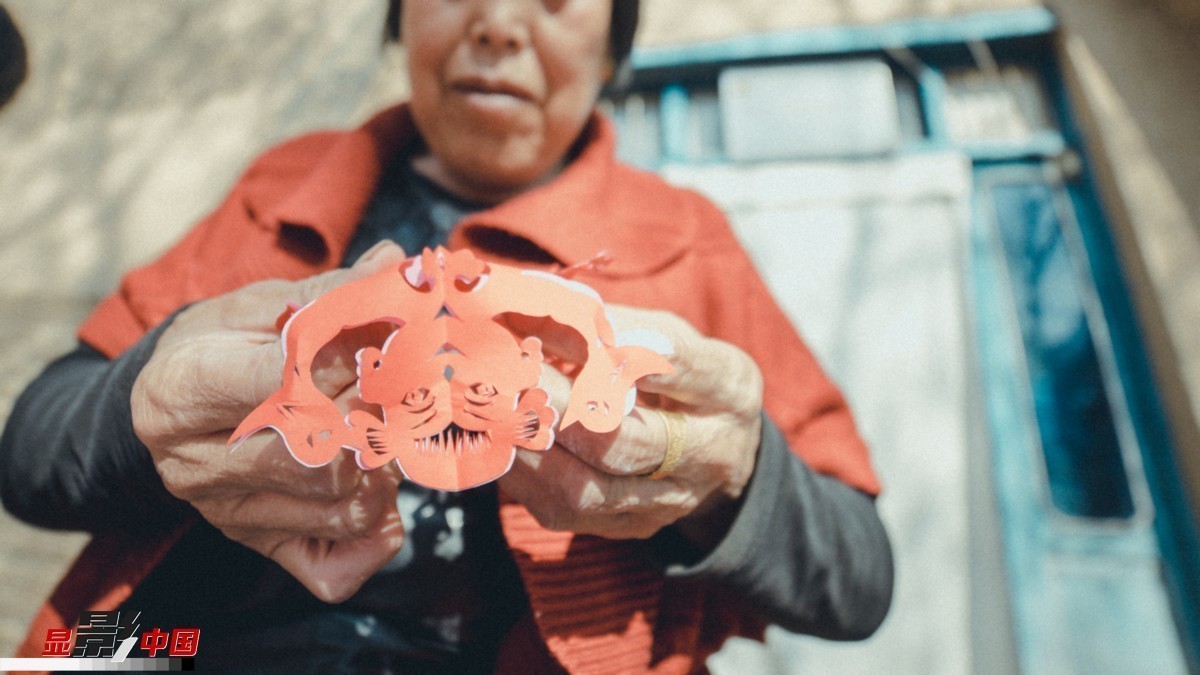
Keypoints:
pixel 500 25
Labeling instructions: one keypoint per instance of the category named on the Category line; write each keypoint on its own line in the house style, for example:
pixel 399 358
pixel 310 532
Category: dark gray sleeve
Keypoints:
pixel 69 458
pixel 805 551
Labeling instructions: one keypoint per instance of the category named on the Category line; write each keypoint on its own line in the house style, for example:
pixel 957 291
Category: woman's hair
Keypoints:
pixel 620 36
pixel 12 57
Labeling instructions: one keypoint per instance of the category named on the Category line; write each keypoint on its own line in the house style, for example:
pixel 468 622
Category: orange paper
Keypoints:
pixel 455 390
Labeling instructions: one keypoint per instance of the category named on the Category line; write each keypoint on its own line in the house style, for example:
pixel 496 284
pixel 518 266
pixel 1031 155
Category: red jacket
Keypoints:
pixel 292 214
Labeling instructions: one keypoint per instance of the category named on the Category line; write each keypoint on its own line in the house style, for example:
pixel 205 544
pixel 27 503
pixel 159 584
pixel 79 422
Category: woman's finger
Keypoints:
pixel 205 384
pixel 636 448
pixel 206 468
pixel 564 493
pixel 220 358
pixel 334 570
pixel 709 374
pixel 350 518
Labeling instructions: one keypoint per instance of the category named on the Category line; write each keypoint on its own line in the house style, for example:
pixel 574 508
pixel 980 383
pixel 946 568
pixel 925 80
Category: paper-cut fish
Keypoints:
pixel 457 390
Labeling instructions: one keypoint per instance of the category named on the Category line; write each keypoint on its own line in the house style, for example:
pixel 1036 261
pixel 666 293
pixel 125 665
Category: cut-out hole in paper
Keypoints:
pixel 451 393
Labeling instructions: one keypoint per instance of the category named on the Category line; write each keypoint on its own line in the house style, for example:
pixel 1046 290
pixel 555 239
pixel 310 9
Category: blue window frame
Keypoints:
pixel 1083 461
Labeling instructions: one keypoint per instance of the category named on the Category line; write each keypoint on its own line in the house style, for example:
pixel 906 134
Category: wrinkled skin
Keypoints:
pixel 330 527
pixel 595 483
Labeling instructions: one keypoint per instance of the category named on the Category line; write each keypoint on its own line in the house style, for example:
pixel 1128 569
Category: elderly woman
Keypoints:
pixel 601 554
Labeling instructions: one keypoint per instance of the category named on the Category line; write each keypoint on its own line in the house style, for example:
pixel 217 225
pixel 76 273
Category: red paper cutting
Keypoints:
pixel 457 390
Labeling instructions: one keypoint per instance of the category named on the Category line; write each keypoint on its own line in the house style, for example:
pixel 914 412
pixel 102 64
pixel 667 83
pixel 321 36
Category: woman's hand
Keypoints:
pixel 599 483
pixel 330 527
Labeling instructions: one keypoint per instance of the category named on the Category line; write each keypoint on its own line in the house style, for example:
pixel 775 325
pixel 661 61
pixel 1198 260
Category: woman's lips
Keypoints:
pixel 493 96
pixel 492 87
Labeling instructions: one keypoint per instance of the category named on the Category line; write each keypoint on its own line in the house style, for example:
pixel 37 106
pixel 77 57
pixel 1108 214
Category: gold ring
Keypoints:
pixel 676 426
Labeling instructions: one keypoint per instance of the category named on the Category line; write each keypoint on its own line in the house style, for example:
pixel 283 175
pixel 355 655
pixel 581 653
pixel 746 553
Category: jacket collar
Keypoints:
pixel 325 181
pixel 594 206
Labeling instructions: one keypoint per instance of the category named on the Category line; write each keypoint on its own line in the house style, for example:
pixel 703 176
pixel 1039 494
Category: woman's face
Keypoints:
pixel 502 88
